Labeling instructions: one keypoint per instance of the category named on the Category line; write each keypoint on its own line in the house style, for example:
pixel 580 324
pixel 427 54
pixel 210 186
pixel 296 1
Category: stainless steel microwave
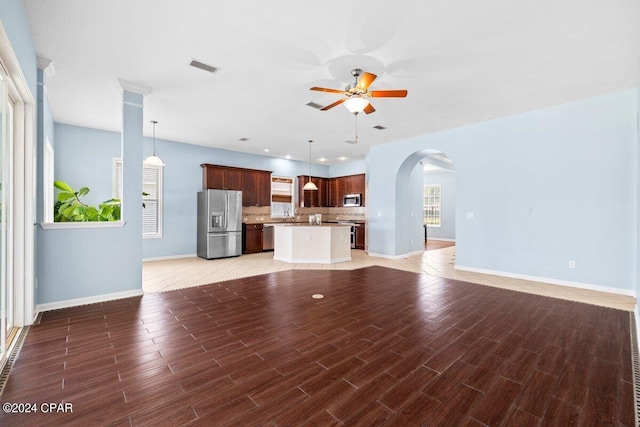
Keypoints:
pixel 352 200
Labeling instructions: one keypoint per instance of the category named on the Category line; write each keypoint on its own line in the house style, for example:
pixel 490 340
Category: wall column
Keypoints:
pixel 132 138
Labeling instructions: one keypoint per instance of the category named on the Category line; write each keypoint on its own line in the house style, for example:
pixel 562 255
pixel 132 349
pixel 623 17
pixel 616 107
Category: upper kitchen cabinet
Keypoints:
pixel 254 184
pixel 256 188
pixel 313 198
pixel 335 192
pixel 221 177
pixel 355 184
pixel 339 186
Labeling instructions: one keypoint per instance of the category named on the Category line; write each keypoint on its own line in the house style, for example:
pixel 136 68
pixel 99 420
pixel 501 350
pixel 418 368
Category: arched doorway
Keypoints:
pixel 409 229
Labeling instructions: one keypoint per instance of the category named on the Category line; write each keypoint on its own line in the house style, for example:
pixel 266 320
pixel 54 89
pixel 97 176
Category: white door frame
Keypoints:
pixel 24 152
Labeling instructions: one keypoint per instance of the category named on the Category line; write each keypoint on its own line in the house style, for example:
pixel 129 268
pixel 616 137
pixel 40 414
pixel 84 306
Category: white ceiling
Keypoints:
pixel 461 61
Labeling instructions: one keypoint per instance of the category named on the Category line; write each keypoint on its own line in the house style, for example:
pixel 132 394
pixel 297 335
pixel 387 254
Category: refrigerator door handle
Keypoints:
pixel 226 215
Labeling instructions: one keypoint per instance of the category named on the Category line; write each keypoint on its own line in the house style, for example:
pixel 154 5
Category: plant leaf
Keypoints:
pixel 64 196
pixel 61 185
pixel 83 191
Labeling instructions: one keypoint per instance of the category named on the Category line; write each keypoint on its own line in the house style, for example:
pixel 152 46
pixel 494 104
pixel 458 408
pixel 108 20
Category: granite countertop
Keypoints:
pixel 306 224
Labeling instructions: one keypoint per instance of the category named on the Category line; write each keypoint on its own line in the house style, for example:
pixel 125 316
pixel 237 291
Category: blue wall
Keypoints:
pixel 545 187
pixel 84 158
pixel 14 20
pixel 447 182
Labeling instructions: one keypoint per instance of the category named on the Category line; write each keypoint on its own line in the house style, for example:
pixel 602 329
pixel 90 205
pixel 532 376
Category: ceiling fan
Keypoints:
pixel 357 93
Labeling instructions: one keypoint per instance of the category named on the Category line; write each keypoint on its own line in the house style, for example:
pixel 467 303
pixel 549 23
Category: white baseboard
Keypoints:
pixel 87 300
pixel 388 256
pixel 418 252
pixel 162 258
pixel 312 261
pixel 438 239
pixel 627 292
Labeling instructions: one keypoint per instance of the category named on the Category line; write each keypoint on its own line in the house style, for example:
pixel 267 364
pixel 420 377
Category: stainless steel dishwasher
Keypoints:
pixel 267 237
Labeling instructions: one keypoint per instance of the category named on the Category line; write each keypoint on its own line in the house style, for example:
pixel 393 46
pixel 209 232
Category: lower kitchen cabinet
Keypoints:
pixel 251 238
pixel 360 231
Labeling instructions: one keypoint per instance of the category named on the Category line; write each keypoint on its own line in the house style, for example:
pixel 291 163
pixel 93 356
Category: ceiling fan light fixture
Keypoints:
pixel 356 104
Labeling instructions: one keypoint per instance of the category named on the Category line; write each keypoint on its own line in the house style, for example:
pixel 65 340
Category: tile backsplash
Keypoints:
pixel 253 214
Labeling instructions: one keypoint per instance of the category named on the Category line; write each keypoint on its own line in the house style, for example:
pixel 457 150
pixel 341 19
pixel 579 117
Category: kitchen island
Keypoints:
pixel 315 244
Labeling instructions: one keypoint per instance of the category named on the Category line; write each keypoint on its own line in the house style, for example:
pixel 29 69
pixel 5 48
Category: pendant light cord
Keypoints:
pixel 154 136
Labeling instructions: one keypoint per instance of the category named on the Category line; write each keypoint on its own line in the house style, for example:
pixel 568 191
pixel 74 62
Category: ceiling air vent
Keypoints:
pixel 379 127
pixel 243 139
pixel 351 142
pixel 314 105
pixel 203 66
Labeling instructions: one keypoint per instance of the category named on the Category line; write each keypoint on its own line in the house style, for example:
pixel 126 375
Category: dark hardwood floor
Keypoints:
pixel 383 347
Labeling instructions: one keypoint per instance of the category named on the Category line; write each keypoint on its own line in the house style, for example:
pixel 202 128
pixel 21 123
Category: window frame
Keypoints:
pixel 437 205
pixel 117 189
pixel 291 202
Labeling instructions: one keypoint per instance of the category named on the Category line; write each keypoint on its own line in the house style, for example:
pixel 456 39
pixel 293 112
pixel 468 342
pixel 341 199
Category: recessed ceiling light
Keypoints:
pixel 342 158
pixel 243 139
pixel 266 150
pixel 287 156
pixel 322 159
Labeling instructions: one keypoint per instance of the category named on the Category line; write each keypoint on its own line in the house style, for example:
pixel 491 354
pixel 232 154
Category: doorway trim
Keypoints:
pixel 24 159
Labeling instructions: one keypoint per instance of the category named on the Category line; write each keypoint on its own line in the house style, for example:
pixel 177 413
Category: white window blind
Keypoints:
pixel 281 196
pixel 151 213
pixel 151 200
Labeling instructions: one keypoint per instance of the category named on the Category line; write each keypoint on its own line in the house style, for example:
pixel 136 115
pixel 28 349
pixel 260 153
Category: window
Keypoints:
pixel 281 197
pixel 151 197
pixel 49 196
pixel 432 205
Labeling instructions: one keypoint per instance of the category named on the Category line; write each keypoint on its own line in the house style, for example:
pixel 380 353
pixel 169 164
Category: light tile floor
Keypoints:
pixel 165 275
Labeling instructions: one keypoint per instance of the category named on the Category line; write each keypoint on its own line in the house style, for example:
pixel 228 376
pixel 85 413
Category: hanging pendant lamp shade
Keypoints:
pixel 153 160
pixel 310 185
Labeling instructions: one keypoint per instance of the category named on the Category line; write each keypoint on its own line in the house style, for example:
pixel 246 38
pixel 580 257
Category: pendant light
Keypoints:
pixel 310 185
pixel 153 160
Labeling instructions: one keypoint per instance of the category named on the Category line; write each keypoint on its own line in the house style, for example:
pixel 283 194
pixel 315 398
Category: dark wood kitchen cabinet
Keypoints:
pixel 360 230
pixel 254 184
pixel 335 194
pixel 263 188
pixel 252 238
pixel 221 177
pixel 339 186
pixel 313 198
pixel 256 188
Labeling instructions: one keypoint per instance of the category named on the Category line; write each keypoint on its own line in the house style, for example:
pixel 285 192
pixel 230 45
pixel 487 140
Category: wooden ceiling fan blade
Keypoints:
pixel 325 89
pixel 369 109
pixel 365 81
pixel 388 93
pixel 338 102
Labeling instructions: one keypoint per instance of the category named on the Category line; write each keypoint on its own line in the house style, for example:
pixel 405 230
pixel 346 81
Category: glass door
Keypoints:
pixel 7 300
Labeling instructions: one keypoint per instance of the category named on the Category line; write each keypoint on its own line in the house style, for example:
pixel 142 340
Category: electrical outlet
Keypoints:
pixel 572 264
pixel 412 241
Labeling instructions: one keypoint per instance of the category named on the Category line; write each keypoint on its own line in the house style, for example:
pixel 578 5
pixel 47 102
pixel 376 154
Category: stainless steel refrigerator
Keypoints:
pixel 219 223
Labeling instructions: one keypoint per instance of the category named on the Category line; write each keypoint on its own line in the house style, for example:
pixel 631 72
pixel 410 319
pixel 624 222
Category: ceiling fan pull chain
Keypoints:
pixel 356 127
